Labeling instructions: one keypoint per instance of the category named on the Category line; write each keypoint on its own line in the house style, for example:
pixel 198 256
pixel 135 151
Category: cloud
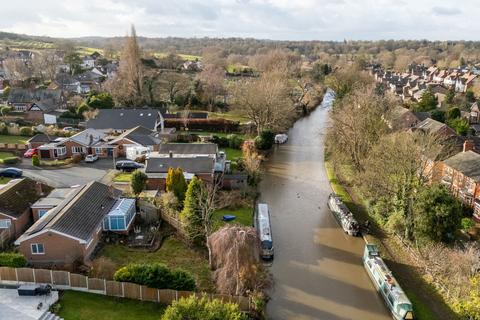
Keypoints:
pixel 274 19
pixel 444 11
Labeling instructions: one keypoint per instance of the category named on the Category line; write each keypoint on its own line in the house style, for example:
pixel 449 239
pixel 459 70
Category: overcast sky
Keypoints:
pixel 272 19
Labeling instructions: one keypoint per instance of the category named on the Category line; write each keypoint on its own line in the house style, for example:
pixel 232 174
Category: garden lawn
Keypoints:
pixel 14 139
pixel 173 253
pixel 87 306
pixel 211 133
pixel 123 177
pixel 4 180
pixel 244 216
pixel 231 153
pixel 4 155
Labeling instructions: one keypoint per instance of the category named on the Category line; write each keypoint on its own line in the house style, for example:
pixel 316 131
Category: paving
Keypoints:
pixel 13 306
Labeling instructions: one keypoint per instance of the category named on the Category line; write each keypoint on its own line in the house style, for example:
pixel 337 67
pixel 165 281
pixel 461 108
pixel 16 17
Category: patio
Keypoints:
pixel 13 306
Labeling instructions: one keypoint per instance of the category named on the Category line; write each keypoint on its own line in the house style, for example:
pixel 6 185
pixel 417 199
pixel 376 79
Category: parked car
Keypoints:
pixel 30 153
pixel 91 158
pixel 69 129
pixel 281 138
pixel 11 173
pixel 127 165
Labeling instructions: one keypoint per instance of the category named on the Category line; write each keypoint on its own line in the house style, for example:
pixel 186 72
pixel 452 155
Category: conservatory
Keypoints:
pixel 120 218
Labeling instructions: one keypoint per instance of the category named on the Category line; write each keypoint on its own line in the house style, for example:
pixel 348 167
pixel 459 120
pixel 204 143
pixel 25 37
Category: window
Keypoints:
pixel 77 149
pixel 98 150
pixel 41 213
pixel 117 223
pixel 61 151
pixel 5 223
pixel 37 248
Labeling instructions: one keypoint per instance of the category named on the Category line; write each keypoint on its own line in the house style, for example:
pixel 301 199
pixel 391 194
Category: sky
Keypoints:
pixel 264 19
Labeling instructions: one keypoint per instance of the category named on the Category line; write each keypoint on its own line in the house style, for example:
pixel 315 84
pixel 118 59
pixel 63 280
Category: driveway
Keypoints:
pixel 81 173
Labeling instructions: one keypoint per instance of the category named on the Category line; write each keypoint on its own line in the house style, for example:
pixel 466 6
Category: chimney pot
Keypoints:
pixel 468 145
pixel 170 154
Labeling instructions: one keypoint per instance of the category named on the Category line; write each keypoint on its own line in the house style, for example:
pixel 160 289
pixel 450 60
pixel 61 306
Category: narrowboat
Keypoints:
pixel 262 224
pixel 388 287
pixel 343 216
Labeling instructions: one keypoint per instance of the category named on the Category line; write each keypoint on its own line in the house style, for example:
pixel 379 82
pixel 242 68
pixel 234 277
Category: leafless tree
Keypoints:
pixel 45 64
pixel 212 81
pixel 16 69
pixel 173 84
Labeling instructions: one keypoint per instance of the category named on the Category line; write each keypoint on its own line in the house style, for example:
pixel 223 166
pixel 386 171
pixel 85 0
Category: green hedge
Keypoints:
pixel 11 160
pixel 156 275
pixel 12 259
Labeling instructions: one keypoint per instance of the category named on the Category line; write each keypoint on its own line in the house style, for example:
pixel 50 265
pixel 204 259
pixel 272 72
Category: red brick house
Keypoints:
pixel 69 233
pixel 15 200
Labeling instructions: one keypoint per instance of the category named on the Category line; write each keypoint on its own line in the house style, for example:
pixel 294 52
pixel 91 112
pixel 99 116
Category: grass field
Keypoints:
pixel 4 155
pixel 14 139
pixel 86 306
pixel 4 180
pixel 231 153
pixel 244 216
pixel 173 253
pixel 231 115
pixel 123 177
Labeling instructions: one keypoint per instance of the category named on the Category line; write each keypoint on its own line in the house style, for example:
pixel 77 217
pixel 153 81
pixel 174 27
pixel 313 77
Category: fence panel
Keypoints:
pixel 184 294
pixel 114 289
pixel 244 303
pixel 224 298
pixel 25 275
pixel 166 296
pixel 78 281
pixel 60 278
pixel 7 274
pixel 96 284
pixel 132 290
pixel 43 276
pixel 149 294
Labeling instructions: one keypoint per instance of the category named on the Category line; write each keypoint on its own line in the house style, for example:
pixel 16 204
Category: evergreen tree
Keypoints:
pixel 191 215
pixel 180 186
pixel 138 182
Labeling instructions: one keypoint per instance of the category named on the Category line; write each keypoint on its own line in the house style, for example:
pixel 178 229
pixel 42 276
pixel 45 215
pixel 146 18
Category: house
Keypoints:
pixel 41 139
pixel 55 198
pixel 43 113
pixel 88 62
pixel 186 150
pixel 120 120
pixel 69 233
pixel 435 127
pixel 402 118
pixel 138 137
pixel 461 174
pixel 21 99
pixel 474 116
pixel 15 200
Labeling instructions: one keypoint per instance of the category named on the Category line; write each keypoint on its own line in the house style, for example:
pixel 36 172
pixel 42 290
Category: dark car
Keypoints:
pixel 128 166
pixel 11 173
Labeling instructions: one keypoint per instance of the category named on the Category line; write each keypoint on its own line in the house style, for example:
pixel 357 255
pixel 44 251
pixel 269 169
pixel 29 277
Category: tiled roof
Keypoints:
pixel 467 163
pixel 140 135
pixel 17 196
pixel 124 119
pixel 188 148
pixel 190 165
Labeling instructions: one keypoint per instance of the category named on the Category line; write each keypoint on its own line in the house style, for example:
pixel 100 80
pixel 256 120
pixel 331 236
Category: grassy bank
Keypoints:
pixel 244 216
pixel 86 306
pixel 427 303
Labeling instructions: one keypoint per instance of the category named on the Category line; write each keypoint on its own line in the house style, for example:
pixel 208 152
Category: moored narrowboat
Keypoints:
pixel 343 216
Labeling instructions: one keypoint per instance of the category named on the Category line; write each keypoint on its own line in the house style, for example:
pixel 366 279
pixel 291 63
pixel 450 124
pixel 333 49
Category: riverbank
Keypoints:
pixel 428 303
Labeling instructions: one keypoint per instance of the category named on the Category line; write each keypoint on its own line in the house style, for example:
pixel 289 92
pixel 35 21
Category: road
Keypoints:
pixel 317 268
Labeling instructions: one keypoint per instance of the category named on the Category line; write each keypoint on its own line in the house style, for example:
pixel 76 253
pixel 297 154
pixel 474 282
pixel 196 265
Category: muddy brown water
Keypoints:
pixel 317 270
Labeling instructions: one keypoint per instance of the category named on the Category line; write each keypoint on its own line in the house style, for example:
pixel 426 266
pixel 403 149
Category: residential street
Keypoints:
pixel 317 270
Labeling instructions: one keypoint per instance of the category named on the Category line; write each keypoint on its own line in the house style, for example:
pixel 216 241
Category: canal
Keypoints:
pixel 317 269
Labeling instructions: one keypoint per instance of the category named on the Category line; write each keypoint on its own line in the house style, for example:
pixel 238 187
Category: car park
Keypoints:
pixel 91 158
pixel 30 153
pixel 127 165
pixel 11 173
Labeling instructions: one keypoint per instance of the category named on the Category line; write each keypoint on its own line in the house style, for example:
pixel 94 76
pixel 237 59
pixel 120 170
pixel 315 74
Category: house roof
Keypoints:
pixel 467 163
pixel 20 95
pixel 88 137
pixel 79 215
pixel 430 125
pixel 188 148
pixel 55 197
pixel 42 138
pixel 140 135
pixel 17 196
pixel 190 165
pixel 422 115
pixel 124 119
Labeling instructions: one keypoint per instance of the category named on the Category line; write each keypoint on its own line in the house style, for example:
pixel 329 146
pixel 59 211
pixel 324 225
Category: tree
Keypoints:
pixel 99 100
pixel 35 160
pixel 15 68
pixel 235 260
pixel 428 102
pixel 252 163
pixel 347 80
pixel 450 96
pixel 138 182
pixel 6 92
pixel 453 113
pixel 193 308
pixel 212 84
pixel 45 64
pixel 173 84
pixel 265 101
pixel 74 62
pixel 191 213
pixel 265 140
pixel 438 115
pixel 437 214
pixel 176 183
pixel 470 96
pixel 461 126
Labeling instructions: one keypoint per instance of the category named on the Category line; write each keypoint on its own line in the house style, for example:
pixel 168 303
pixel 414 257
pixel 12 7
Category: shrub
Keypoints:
pixel 265 140
pixel 194 308
pixel 138 181
pixel 467 224
pixel 103 268
pixel 76 158
pixel 234 141
pixel 11 160
pixel 26 131
pixel 35 160
pixel 12 259
pixel 156 275
pixel 220 125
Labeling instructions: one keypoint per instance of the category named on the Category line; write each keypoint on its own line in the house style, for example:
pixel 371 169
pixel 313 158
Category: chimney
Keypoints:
pixel 170 154
pixel 468 145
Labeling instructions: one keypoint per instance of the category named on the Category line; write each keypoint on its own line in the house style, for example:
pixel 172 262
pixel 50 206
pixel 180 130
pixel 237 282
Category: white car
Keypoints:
pixel 281 138
pixel 91 158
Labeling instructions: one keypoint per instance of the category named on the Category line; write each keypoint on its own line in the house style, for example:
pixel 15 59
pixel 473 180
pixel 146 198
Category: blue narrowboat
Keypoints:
pixel 262 224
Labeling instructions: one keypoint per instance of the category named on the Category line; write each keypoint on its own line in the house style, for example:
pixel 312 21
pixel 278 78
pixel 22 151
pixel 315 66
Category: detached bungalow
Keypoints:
pixel 120 120
pixel 69 233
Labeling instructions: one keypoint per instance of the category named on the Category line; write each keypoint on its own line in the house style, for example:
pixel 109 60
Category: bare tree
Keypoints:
pixel 212 81
pixel 45 64
pixel 173 84
pixel 16 69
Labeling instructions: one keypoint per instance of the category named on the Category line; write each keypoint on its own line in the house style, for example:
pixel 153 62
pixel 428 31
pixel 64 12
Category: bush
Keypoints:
pixel 35 160
pixel 235 141
pixel 219 125
pixel 11 160
pixel 12 259
pixel 467 224
pixel 194 308
pixel 156 275
pixel 265 140
pixel 26 131
pixel 76 158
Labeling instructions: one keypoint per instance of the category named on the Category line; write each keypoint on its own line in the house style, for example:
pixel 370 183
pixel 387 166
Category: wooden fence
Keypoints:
pixel 64 280
pixel 13 147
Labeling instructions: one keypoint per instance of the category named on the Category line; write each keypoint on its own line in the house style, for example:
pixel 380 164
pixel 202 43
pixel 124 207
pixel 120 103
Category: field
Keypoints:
pixel 173 253
pixel 13 139
pixel 244 216
pixel 231 115
pixel 26 44
pixel 85 306
pixel 187 57
pixel 123 177
pixel 231 153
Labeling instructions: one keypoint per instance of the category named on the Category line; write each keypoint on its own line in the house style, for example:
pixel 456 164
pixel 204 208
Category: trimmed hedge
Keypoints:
pixel 156 275
pixel 220 125
pixel 231 141
pixel 12 259
pixel 11 160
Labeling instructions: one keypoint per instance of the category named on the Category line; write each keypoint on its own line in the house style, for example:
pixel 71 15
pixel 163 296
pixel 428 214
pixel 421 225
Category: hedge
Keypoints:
pixel 156 275
pixel 11 160
pixel 231 141
pixel 12 259
pixel 221 125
